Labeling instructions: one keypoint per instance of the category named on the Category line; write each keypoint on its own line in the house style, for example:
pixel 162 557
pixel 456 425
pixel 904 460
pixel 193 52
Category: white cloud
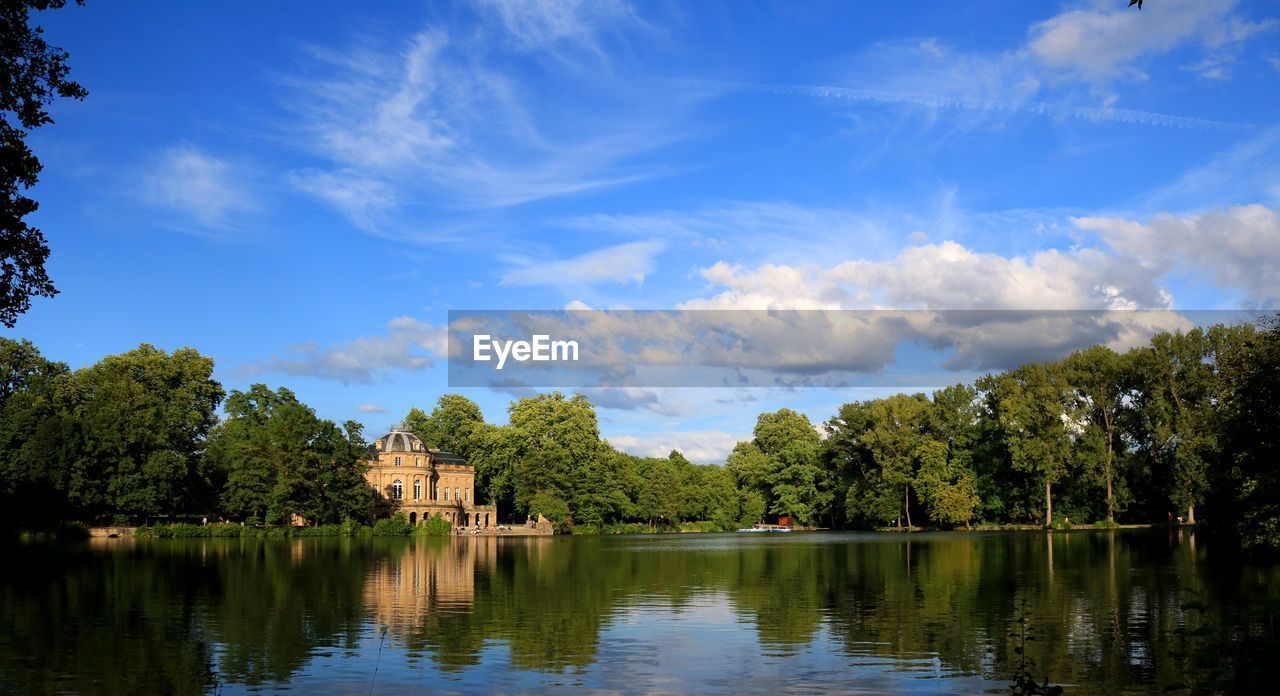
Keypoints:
pixel 1237 248
pixel 703 446
pixel 370 408
pixel 541 24
pixel 407 344
pixel 444 122
pixel 938 276
pixel 199 187
pixel 621 263
pixel 1099 44
pixel 1110 41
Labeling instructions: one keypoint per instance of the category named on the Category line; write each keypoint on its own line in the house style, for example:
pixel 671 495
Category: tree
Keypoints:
pixel 1251 434
pixel 453 425
pixel 35 74
pixel 279 459
pixel 1028 404
pixel 38 439
pixel 145 415
pixel 790 445
pixel 1098 379
pixel 553 438
pixel 895 436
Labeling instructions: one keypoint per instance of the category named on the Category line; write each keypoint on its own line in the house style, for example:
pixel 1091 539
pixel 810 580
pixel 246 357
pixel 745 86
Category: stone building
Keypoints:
pixel 422 482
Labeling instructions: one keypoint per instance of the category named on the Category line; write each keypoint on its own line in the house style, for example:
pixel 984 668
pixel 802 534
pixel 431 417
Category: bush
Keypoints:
pixel 396 525
pixel 179 530
pixel 436 526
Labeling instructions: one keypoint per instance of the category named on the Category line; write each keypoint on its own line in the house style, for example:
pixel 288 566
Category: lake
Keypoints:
pixel 1107 612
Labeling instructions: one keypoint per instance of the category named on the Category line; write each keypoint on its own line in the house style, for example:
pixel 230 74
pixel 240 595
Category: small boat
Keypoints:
pixel 764 528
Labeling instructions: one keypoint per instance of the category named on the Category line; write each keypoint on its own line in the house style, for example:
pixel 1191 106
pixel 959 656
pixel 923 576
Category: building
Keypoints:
pixel 422 482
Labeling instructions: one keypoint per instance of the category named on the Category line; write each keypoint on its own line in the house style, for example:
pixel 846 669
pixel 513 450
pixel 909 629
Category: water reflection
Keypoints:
pixel 925 613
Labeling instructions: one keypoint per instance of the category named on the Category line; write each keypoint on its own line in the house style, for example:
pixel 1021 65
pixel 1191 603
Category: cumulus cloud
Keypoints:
pixel 703 446
pixel 407 344
pixel 938 276
pixel 1236 248
pixel 198 187
pixel 621 263
pixel 370 408
pixel 1105 42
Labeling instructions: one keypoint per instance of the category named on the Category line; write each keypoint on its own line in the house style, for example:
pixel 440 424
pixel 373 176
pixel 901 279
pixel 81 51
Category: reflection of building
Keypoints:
pixel 429 577
pixel 423 482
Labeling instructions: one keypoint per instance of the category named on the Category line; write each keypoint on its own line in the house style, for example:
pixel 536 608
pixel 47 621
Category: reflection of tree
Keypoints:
pixel 158 617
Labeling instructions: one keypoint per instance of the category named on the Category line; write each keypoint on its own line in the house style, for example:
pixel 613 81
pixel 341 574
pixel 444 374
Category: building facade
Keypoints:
pixel 422 482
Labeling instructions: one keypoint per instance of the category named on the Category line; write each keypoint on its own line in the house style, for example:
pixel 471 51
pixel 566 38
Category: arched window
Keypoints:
pixel 397 490
pixel 417 490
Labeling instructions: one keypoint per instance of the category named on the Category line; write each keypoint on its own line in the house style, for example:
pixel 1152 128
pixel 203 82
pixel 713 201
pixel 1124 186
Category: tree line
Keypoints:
pixel 1185 426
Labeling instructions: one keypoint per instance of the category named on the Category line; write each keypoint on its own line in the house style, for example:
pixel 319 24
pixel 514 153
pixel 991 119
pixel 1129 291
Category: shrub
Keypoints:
pixel 436 526
pixel 225 530
pixel 396 525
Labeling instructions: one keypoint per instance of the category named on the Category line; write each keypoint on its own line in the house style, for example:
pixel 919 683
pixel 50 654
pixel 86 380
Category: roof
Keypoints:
pixel 399 440
pixel 442 457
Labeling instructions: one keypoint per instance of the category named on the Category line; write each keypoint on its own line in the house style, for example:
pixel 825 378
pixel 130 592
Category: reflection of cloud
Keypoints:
pixel 408 344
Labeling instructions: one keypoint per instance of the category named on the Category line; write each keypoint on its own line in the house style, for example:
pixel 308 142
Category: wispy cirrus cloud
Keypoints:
pixel 1097 45
pixel 200 192
pixel 446 123
pixel 621 263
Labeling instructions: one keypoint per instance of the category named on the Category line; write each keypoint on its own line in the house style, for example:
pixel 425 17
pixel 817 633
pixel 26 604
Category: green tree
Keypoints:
pixel 453 425
pixel 279 459
pixel 38 439
pixel 35 74
pixel 145 415
pixel 553 438
pixel 1100 384
pixel 897 432
pixel 1029 405
pixel 1251 434
pixel 790 444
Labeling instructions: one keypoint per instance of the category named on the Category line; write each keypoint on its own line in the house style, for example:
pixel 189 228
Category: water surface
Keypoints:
pixel 1109 612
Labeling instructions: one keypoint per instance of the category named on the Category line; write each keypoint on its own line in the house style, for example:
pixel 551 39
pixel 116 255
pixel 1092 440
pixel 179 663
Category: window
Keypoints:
pixel 435 492
pixel 446 492
pixel 397 461
pixel 455 493
pixel 417 490
pixel 417 461
pixel 397 490
pixel 467 492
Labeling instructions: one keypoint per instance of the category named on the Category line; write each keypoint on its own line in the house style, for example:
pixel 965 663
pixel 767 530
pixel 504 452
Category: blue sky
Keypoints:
pixel 302 191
